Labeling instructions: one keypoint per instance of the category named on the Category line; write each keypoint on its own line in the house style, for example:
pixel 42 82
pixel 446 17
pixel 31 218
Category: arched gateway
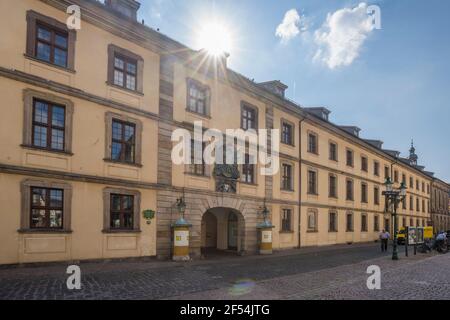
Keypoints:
pixel 219 221
pixel 222 229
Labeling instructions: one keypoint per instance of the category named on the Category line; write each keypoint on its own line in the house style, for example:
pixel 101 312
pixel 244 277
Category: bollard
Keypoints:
pixel 265 247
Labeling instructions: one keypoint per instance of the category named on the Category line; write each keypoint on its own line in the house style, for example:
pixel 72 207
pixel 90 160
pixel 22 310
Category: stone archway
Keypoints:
pixel 198 203
pixel 223 229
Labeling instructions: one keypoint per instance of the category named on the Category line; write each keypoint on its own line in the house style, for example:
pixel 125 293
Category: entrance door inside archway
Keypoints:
pixel 209 231
pixel 232 231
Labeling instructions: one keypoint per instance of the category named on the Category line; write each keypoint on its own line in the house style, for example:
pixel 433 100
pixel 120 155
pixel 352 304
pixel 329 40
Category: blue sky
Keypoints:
pixel 393 83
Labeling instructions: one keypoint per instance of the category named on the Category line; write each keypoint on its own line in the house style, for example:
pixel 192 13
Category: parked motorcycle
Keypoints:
pixel 442 246
pixel 427 246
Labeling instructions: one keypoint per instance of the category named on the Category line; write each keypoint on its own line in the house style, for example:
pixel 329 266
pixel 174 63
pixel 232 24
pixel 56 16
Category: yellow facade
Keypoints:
pixel 219 220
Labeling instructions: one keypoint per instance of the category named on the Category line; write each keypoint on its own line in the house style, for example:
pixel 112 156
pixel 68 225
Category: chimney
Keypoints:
pixel 275 86
pixel 127 8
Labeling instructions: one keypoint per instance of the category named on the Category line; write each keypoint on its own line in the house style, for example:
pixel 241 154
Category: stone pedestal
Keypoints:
pixel 181 240
pixel 265 230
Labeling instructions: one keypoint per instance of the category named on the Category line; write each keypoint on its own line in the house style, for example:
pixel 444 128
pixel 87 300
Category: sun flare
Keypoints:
pixel 215 38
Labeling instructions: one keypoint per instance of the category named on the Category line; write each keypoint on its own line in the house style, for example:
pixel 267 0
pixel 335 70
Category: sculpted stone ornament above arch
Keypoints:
pixel 226 176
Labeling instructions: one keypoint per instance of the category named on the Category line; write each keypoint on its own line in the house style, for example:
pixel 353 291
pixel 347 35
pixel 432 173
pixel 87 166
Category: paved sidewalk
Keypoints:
pixel 312 273
pixel 414 278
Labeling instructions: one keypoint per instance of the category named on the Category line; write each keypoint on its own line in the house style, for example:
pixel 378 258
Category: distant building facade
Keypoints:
pixel 440 205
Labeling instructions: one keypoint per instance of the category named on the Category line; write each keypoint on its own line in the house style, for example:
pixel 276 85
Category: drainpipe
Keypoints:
pixel 300 181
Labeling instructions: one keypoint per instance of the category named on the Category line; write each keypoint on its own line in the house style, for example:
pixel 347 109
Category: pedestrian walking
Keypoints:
pixel 384 237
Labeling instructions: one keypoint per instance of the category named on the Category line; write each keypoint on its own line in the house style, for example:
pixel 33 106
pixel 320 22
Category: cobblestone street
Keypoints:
pixel 317 273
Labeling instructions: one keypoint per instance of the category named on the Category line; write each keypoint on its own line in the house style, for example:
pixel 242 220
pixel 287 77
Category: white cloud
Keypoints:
pixel 342 36
pixel 291 26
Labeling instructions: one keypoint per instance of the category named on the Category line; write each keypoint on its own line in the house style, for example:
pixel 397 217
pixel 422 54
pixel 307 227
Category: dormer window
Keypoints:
pixel 320 112
pixel 125 11
pixel 276 87
pixel 127 8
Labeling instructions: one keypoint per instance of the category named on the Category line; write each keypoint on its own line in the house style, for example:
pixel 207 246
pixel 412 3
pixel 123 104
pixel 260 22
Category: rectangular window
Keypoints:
pixel 332 220
pixel 376 195
pixel 332 193
pixel 411 182
pixel 312 220
pixel 349 190
pixel 333 151
pixel 312 143
pixel 364 223
pixel 50 41
pixel 364 165
pixel 411 203
pixel 423 205
pixel 404 203
pixel 387 225
pixel 286 220
pixel 404 178
pixel 312 182
pixel 51 45
pixel 198 96
pixel 386 172
pixel 248 171
pixel 125 72
pixel 349 222
pixel 349 154
pixel 396 176
pixel 47 208
pixel 123 141
pixel 197 168
pixel 417 204
pixel 376 223
pixel 417 184
pixel 248 117
pixel 286 181
pixel 121 212
pixel 287 134
pixel 48 126
pixel 363 193
pixel 376 168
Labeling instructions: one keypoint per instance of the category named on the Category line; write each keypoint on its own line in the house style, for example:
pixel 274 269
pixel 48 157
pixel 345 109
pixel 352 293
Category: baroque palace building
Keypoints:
pixel 87 119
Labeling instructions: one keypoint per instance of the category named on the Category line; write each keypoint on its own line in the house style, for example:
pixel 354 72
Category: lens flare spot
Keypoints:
pixel 241 287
